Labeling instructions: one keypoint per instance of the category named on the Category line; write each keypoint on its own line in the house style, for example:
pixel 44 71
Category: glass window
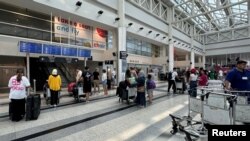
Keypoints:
pixel 139 47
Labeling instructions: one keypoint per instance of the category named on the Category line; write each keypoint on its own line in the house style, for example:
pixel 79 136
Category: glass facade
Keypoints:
pixel 24 23
pixel 135 46
pixel 219 18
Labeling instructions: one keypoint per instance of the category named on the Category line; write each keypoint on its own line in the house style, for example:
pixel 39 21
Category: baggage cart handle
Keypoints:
pixel 34 83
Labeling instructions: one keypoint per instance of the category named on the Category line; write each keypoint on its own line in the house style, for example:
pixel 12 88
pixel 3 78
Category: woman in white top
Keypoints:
pixel 193 83
pixel 18 84
pixel 104 82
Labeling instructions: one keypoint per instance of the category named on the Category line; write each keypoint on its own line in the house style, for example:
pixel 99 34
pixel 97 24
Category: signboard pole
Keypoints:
pixel 85 62
pixel 28 68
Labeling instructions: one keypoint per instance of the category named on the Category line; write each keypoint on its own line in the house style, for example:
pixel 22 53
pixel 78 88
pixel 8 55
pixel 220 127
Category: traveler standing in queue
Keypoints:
pixel 238 79
pixel 133 72
pixel 104 82
pixel 131 82
pixel 18 84
pixel 87 83
pixel 203 80
pixel 78 77
pixel 54 83
pixel 109 75
pixel 141 99
pixel 150 87
pixel 96 80
pixel 171 80
pixel 152 74
pixel 220 75
pixel 113 78
pixel 193 83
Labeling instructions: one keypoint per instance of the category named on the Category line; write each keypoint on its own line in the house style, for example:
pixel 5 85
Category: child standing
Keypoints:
pixel 150 87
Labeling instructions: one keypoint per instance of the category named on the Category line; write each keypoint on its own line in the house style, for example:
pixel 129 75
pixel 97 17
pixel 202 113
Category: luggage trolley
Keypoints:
pixel 180 85
pixel 214 82
pixel 221 105
pixel 198 105
pixel 48 95
pixel 242 107
pixel 186 123
pixel 78 92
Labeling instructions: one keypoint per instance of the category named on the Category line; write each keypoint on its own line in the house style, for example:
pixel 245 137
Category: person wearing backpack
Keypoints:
pixel 171 80
pixel 150 85
pixel 87 85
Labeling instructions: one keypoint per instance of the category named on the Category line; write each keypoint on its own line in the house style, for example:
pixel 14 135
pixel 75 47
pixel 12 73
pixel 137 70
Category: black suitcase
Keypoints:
pixel 33 105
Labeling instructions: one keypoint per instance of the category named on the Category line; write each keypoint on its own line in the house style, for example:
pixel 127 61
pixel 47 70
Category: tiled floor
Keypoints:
pixel 101 120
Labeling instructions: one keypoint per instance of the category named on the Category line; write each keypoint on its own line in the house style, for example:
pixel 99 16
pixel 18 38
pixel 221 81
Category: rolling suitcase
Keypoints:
pixel 33 105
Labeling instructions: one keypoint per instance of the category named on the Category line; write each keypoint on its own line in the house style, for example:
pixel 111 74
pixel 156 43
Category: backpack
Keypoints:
pixel 151 84
pixel 170 76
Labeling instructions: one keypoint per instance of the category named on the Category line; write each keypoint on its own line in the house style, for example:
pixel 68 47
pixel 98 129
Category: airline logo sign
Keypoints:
pixel 63 27
pixel 87 35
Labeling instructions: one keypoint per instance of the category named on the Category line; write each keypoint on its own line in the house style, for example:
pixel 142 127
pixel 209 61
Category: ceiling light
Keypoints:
pixel 78 3
pixel 100 12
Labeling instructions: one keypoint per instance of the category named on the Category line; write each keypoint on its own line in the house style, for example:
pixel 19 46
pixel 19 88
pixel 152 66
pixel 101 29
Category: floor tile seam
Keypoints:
pixel 135 121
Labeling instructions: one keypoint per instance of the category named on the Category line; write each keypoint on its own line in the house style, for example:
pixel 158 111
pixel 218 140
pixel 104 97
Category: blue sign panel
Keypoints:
pixel 52 49
pixel 30 47
pixel 69 51
pixel 84 53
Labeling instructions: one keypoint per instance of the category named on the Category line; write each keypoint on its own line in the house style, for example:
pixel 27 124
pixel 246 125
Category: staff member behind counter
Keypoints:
pixel 239 78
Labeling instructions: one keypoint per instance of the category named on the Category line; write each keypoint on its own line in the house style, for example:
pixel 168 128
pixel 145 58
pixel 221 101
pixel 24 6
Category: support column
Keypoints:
pixel 171 45
pixel 122 64
pixel 212 61
pixel 28 69
pixel 85 62
pixel 204 61
pixel 248 14
pixel 192 59
pixel 200 59
pixel 164 57
pixel 171 57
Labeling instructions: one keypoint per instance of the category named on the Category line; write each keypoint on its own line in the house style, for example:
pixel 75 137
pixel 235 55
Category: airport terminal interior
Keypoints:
pixel 123 70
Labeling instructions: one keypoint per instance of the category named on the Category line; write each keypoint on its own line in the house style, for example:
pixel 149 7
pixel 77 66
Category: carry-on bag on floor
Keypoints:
pixel 125 96
pixel 71 87
pixel 33 105
pixel 48 95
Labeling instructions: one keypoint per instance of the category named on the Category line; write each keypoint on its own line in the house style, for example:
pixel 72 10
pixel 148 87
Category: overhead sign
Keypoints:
pixel 69 51
pixel 30 47
pixel 84 35
pixel 123 55
pixel 52 49
pixel 84 53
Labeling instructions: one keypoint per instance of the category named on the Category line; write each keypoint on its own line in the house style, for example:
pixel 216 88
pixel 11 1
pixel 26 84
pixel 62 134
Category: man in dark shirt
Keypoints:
pixel 239 78
pixel 96 80
pixel 87 82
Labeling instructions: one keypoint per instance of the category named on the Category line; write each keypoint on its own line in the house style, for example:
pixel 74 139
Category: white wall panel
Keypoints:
pixel 110 3
pixel 140 15
pixel 228 50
